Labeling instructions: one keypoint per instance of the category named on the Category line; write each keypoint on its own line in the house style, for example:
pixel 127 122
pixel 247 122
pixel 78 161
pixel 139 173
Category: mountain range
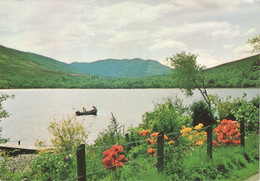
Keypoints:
pixel 25 61
pixel 20 69
pixel 123 68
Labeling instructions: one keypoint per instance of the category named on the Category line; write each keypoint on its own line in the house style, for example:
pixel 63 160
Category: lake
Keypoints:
pixel 32 109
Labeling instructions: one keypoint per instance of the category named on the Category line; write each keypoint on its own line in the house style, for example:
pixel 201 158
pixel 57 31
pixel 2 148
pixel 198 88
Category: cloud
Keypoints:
pixel 93 29
pixel 213 5
pixel 242 49
pixel 168 44
pixel 250 31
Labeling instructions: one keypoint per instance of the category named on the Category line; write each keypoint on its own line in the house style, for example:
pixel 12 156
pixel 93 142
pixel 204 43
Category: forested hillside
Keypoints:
pixel 26 70
pixel 123 68
pixel 240 73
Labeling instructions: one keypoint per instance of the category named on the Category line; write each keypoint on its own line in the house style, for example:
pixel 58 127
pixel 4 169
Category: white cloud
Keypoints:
pixel 168 44
pixel 250 31
pixel 243 49
pixel 141 28
pixel 216 4
pixel 228 46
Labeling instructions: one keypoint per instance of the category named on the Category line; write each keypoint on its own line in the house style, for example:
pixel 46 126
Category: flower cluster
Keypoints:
pixel 227 133
pixel 151 151
pixel 153 140
pixel 199 126
pixel 144 132
pixel 185 130
pixel 195 136
pixel 112 159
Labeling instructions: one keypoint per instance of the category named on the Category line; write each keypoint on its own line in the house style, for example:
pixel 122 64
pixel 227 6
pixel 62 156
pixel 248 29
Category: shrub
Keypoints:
pixel 227 133
pixel 201 113
pixel 110 136
pixel 67 134
pixel 166 117
pixel 54 167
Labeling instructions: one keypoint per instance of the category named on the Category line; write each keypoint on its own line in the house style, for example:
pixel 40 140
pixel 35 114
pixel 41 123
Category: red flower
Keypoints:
pixel 111 159
pixel 215 143
pixel 227 133
pixel 150 151
pixel 155 134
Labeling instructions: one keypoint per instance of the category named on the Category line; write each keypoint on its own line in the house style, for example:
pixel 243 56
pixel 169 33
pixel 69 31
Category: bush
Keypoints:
pixel 167 117
pixel 68 134
pixel 201 113
pixel 54 167
pixel 110 136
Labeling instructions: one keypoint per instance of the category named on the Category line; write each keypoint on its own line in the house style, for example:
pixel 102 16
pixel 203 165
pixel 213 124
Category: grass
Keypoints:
pixel 228 163
pixel 244 173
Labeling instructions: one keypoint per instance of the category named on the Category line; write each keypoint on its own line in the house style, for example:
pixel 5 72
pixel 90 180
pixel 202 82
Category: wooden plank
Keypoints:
pixel 20 149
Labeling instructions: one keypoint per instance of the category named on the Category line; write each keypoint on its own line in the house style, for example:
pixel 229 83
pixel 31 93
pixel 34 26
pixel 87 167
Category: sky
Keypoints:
pixel 90 30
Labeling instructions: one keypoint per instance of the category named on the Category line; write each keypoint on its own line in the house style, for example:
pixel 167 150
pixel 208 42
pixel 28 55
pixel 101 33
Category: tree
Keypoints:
pixel 189 74
pixel 255 43
pixel 67 134
pixel 3 113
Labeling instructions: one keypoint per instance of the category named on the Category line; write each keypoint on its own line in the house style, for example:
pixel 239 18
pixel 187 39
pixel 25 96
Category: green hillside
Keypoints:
pixel 27 70
pixel 21 69
pixel 240 73
pixel 123 68
pixel 22 61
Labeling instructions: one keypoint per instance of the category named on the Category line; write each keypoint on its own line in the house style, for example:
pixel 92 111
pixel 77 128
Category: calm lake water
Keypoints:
pixel 32 109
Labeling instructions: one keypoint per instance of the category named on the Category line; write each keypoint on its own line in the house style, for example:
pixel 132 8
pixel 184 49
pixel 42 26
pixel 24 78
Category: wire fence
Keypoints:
pixel 83 165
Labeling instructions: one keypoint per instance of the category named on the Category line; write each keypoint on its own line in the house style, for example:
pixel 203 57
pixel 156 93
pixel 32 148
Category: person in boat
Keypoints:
pixel 94 108
pixel 84 110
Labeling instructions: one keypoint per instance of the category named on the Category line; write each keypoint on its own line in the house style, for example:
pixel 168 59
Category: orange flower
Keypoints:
pixel 215 143
pixel 171 142
pixel 150 151
pixel 199 126
pixel 199 143
pixel 155 134
pixel 149 140
pixel 144 132
pixel 165 137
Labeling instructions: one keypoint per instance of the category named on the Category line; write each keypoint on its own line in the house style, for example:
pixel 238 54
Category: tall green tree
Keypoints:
pixel 189 74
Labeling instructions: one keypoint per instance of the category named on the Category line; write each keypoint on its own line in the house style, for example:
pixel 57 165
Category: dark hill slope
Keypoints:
pixel 18 60
pixel 123 68
pixel 240 73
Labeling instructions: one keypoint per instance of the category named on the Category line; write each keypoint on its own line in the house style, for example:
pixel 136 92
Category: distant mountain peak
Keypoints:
pixel 123 67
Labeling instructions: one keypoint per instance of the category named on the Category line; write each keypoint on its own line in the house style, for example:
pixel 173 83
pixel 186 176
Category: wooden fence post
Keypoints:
pixel 160 149
pixel 81 163
pixel 209 141
pixel 128 146
pixel 242 132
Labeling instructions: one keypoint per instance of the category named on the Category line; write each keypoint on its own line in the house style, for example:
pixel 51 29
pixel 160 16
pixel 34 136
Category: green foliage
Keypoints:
pixel 240 73
pixel 201 113
pixel 181 161
pixel 25 70
pixel 53 167
pixel 255 43
pixel 166 117
pixel 67 134
pixel 189 74
pixel 187 71
pixel 223 108
pixel 226 163
pixel 238 109
pixel 110 136
pixel 248 112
